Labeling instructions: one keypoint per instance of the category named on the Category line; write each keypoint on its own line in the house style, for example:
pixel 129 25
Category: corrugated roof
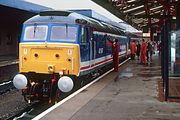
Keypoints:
pixel 140 13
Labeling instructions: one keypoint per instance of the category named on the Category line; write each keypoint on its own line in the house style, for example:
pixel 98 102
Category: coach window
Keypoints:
pixel 84 35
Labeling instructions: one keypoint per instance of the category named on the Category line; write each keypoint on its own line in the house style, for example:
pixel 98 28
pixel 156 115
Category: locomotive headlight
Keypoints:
pixel 65 84
pixel 20 81
pixel 51 68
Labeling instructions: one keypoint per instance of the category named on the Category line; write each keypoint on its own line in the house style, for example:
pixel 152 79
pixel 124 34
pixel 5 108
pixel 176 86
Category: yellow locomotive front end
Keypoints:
pixel 46 69
pixel 48 58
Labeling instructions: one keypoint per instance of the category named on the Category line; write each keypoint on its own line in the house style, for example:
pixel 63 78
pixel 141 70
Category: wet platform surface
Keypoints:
pixel 130 94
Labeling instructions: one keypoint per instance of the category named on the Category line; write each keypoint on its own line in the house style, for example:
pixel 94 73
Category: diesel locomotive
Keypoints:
pixel 58 47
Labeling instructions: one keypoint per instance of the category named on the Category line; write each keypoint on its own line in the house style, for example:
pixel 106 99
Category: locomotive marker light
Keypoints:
pixel 20 81
pixel 50 68
pixel 65 84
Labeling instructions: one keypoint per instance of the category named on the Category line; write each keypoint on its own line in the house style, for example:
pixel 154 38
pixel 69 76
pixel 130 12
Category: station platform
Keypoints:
pixel 130 94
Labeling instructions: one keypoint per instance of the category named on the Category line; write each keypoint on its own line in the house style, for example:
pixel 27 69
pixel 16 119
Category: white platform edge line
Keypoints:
pixel 72 95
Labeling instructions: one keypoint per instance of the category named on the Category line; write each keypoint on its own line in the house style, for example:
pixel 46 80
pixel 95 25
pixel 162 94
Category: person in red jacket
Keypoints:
pixel 133 49
pixel 143 52
pixel 115 53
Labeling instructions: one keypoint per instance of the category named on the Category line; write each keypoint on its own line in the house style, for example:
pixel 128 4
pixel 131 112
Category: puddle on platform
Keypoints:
pixel 150 71
pixel 149 74
pixel 150 68
pixel 146 79
pixel 125 74
pixel 128 69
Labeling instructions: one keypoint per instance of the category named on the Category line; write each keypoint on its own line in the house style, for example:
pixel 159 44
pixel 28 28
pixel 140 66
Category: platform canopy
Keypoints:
pixel 141 14
pixel 24 5
pixel 40 5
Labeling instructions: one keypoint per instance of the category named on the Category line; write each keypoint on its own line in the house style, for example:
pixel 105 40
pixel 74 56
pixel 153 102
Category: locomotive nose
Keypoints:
pixel 20 81
pixel 65 84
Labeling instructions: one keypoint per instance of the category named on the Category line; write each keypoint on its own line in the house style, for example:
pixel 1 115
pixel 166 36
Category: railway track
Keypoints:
pixel 7 71
pixel 6 86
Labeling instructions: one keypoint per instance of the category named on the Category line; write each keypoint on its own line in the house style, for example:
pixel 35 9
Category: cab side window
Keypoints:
pixel 84 35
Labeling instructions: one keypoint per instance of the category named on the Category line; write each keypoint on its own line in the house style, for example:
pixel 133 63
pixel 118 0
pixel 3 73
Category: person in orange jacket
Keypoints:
pixel 143 52
pixel 115 53
pixel 133 49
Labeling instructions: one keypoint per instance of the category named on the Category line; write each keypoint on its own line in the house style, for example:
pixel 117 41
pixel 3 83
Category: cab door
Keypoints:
pixel 85 48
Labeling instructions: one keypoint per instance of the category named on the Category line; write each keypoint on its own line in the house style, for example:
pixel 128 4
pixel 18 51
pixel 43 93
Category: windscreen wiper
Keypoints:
pixel 35 27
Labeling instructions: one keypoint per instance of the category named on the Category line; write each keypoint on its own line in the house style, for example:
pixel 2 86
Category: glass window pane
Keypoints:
pixel 63 33
pixel 58 32
pixel 35 32
pixel 174 60
pixel 71 33
pixel 84 34
pixel 174 68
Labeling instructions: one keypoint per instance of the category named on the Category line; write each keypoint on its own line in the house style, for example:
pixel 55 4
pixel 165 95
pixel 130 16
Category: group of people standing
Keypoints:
pixel 144 51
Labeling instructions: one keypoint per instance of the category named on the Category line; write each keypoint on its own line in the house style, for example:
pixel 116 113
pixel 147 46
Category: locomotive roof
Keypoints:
pixel 69 17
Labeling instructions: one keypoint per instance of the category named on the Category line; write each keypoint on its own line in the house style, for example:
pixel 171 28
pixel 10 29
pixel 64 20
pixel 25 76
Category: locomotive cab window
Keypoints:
pixel 84 35
pixel 35 32
pixel 64 33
